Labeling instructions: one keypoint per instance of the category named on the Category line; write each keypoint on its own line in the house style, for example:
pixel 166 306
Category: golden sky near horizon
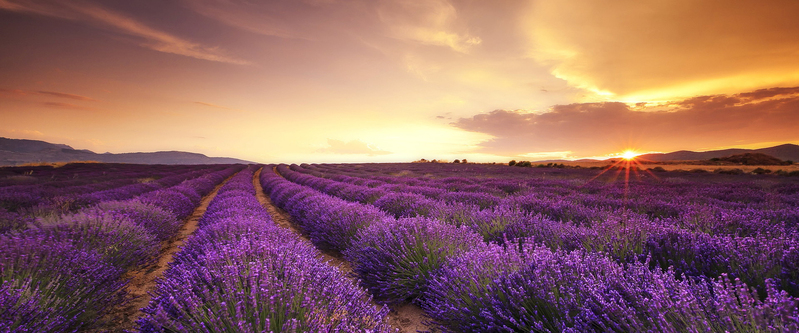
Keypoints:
pixel 399 80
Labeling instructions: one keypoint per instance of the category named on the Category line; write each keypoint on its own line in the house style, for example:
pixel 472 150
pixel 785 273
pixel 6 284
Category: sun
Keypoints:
pixel 629 155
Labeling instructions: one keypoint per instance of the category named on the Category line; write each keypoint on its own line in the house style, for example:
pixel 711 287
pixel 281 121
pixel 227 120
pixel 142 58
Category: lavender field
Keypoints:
pixel 345 247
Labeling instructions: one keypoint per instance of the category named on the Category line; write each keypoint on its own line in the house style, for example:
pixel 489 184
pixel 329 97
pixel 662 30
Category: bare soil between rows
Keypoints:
pixel 143 281
pixel 407 318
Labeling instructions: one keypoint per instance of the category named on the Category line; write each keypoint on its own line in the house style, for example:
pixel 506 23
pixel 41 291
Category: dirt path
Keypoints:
pixel 408 318
pixel 143 280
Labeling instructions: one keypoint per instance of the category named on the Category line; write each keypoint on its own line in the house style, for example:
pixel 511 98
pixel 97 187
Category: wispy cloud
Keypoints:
pixel 261 18
pixel 352 147
pixel 67 106
pixel 22 133
pixel 213 105
pixel 21 92
pixel 65 95
pixel 427 22
pixel 220 107
pixel 590 129
pixel 13 92
pixel 96 15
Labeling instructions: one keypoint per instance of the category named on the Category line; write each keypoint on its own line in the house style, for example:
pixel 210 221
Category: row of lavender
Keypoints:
pixel 713 204
pixel 241 272
pixel 709 203
pixel 73 173
pixel 65 272
pixel 625 236
pixel 18 202
pixel 499 181
pixel 86 178
pixel 467 285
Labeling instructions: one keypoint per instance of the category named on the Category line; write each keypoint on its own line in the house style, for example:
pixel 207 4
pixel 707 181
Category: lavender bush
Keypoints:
pixel 170 200
pixel 405 204
pixel 10 221
pixel 256 286
pixel 120 241
pixel 396 259
pixel 524 287
pixel 157 221
pixel 53 286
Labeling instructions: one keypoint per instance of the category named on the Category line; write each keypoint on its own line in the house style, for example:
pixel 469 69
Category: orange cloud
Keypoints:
pixel 660 50
pixel 592 129
pixel 431 22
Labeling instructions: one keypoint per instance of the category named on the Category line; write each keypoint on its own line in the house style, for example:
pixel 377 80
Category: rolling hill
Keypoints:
pixel 20 151
pixel 786 152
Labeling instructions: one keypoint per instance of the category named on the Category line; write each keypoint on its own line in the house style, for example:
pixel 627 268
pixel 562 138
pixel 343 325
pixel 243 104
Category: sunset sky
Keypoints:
pixel 399 80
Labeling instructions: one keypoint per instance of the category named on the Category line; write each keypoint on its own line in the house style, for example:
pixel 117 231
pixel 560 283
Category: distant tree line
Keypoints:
pixel 464 161
pixel 528 164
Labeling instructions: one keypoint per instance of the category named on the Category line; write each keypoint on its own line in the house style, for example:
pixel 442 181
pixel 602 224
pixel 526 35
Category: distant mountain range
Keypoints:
pixel 786 152
pixel 19 151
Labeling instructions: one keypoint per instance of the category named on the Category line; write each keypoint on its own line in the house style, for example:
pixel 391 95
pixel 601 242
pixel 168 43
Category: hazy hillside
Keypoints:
pixel 750 159
pixel 18 151
pixel 786 152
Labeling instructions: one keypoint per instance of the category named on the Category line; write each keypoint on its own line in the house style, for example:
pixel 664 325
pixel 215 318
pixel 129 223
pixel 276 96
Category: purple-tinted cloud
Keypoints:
pixel 591 129
pixel 100 16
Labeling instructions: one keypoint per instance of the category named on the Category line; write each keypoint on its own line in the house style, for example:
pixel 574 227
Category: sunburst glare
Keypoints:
pixel 629 155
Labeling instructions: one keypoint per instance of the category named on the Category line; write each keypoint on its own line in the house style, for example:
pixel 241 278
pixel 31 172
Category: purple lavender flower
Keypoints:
pixel 53 286
pixel 242 273
pixel 405 204
pixel 121 242
pixel 158 222
pixel 260 286
pixel 396 259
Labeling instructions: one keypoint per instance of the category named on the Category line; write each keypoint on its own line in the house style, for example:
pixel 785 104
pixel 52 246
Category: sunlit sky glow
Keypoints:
pixel 629 154
pixel 400 80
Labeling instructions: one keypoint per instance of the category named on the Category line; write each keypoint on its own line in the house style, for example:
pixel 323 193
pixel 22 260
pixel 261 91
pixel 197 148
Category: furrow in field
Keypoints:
pixel 143 281
pixel 283 219
pixel 407 318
